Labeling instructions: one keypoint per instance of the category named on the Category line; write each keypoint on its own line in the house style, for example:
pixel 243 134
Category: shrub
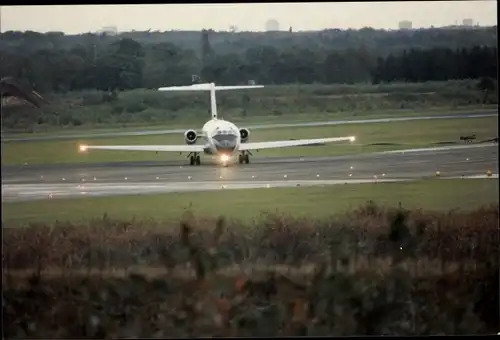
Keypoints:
pixel 371 271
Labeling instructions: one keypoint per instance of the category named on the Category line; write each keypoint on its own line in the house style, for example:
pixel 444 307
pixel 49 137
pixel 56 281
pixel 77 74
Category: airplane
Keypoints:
pixel 219 137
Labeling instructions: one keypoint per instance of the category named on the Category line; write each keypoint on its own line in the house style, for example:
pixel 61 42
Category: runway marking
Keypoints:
pixel 493 176
pixel 41 191
pixel 27 192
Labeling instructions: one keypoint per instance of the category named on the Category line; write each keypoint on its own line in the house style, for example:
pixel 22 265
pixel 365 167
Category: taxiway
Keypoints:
pixel 480 114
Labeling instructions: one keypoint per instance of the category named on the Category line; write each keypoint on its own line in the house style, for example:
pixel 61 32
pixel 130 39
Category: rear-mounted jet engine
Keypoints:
pixel 190 137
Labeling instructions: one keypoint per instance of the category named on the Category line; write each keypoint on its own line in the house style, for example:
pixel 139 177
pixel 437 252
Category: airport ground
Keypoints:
pixel 37 170
pixel 76 192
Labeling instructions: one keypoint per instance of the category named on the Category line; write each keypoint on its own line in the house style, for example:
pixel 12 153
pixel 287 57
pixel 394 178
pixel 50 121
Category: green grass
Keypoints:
pixel 402 134
pixel 435 194
pixel 253 119
pixel 80 111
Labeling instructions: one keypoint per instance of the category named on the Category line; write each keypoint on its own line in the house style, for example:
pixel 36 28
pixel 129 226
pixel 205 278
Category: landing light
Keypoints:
pixel 352 138
pixel 83 148
pixel 224 158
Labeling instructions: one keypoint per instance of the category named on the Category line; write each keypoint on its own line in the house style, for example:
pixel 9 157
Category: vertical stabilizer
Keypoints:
pixel 213 101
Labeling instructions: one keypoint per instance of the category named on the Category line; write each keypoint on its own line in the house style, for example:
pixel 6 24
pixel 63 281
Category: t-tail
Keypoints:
pixel 212 88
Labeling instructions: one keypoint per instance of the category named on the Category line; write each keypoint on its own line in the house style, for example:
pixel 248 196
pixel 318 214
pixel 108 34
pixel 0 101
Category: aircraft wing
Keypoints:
pixel 157 148
pixel 290 143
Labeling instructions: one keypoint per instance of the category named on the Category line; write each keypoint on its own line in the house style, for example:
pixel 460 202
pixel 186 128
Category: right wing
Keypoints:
pixel 292 143
pixel 157 148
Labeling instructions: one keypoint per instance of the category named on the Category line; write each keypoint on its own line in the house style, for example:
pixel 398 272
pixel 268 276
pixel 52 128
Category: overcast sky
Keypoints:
pixel 246 16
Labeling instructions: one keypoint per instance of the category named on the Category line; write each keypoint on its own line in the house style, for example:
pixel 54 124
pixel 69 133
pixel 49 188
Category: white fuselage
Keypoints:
pixel 221 137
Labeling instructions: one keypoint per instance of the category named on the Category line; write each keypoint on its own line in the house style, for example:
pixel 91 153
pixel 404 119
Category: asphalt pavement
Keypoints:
pixel 61 181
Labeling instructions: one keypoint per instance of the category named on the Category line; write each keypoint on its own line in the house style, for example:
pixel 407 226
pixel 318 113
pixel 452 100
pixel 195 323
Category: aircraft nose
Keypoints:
pixel 227 142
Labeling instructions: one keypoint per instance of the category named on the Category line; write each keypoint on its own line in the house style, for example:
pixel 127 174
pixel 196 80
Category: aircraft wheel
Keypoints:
pixel 198 160
pixel 240 159
pixel 247 159
pixel 191 160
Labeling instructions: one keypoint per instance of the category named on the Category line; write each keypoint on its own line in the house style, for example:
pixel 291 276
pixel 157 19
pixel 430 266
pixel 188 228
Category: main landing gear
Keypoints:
pixel 243 157
pixel 194 158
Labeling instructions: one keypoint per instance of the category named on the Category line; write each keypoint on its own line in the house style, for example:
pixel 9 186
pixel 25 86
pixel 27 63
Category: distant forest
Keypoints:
pixel 54 62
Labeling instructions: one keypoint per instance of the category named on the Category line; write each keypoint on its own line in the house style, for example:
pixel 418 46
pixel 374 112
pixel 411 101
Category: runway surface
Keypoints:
pixel 493 113
pixel 60 181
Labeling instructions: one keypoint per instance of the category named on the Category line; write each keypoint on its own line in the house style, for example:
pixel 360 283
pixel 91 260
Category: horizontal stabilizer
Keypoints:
pixel 208 87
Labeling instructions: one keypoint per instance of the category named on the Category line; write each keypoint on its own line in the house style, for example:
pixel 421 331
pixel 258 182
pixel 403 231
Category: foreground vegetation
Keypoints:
pixel 370 271
pixel 370 138
pixel 246 204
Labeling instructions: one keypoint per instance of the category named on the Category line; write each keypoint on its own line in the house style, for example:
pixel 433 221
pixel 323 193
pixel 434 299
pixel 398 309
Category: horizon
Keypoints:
pixel 82 19
pixel 256 31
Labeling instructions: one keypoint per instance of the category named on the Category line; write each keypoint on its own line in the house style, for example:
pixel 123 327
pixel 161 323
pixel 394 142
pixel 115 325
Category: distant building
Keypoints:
pixel 108 30
pixel 272 25
pixel 405 25
pixel 468 22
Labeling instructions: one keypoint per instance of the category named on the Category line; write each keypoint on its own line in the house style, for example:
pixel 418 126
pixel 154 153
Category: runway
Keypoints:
pixel 480 114
pixel 61 181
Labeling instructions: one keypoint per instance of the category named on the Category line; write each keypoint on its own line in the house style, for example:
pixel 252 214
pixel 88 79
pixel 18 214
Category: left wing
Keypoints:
pixel 289 143
pixel 157 148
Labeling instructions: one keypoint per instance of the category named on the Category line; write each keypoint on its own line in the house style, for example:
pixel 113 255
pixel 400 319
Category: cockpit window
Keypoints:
pixel 225 132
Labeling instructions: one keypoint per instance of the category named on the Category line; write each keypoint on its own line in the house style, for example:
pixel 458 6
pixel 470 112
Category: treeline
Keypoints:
pixel 437 65
pixel 128 64
pixel 382 42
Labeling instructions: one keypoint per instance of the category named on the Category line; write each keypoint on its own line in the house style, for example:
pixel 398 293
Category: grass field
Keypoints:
pixel 92 109
pixel 392 135
pixel 310 116
pixel 438 194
